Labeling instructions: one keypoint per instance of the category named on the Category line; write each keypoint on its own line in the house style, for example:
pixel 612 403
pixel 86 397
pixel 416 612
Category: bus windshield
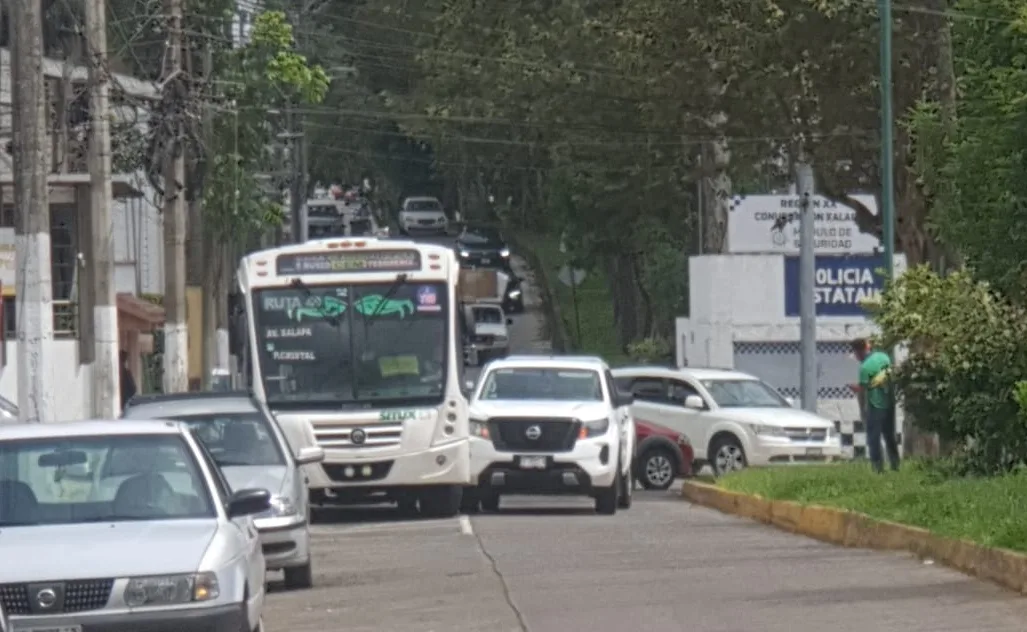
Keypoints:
pixel 352 342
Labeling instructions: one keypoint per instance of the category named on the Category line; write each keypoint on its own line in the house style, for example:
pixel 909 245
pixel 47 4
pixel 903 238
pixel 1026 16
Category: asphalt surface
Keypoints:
pixel 552 565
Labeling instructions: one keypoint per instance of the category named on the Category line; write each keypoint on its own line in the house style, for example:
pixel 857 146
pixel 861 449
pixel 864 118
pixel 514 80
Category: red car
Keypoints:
pixel 661 455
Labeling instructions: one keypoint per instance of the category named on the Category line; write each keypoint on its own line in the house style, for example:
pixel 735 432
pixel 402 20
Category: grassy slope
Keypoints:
pixel 989 511
pixel 598 334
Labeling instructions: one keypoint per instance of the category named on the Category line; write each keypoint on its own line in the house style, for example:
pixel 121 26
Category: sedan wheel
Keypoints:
pixel 657 470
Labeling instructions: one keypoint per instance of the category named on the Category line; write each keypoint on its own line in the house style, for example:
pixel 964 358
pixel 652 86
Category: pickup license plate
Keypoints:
pixel 486 260
pixel 62 628
pixel 533 462
pixel 814 451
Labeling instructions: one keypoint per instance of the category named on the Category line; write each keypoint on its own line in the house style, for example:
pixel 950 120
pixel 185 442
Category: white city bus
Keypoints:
pixel 355 345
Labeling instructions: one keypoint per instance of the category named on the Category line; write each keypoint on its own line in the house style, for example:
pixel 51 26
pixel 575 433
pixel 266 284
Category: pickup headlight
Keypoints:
pixel 594 428
pixel 162 590
pixel 504 253
pixel 479 428
pixel 768 431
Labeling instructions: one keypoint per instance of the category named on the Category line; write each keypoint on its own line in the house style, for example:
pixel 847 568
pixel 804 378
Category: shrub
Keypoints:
pixel 967 354
pixel 653 350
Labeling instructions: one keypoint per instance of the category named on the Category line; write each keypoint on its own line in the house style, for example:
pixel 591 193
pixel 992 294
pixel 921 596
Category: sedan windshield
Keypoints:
pixel 70 480
pixel 744 394
pixel 551 384
pixel 423 205
pixel 237 439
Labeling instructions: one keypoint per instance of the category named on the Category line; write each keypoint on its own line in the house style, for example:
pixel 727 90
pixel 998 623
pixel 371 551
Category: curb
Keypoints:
pixel 550 309
pixel 847 528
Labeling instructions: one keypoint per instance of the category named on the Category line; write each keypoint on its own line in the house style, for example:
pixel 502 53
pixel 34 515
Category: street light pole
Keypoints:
pixel 887 142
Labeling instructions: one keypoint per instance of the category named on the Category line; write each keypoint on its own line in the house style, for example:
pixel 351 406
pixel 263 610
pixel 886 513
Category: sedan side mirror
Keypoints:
pixel 694 402
pixel 792 402
pixel 310 454
pixel 247 502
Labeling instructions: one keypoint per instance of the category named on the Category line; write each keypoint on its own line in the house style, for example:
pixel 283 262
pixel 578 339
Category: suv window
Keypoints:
pixel 681 390
pixel 650 390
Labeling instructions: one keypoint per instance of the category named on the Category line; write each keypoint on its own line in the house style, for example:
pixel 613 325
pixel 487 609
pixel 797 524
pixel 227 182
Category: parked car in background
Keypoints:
pixel 733 419
pixel 124 526
pixel 662 455
pixel 482 246
pixel 422 215
pixel 251 450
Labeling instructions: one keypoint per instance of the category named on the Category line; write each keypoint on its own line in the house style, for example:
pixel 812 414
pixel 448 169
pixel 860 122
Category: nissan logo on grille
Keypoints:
pixel 533 432
pixel 46 598
pixel 358 437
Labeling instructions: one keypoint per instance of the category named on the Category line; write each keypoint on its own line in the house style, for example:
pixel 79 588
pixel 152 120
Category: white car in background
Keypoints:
pixel 169 547
pixel 422 215
pixel 252 452
pixel 550 425
pixel 491 335
pixel 732 419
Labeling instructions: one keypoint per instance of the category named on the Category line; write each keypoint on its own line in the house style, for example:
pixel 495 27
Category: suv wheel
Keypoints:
pixel 727 455
pixel 656 469
pixel 607 499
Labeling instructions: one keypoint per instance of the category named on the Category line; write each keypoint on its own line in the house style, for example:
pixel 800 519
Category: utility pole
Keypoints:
pixel 36 384
pixel 887 142
pixel 807 287
pixel 297 177
pixel 106 385
pixel 176 333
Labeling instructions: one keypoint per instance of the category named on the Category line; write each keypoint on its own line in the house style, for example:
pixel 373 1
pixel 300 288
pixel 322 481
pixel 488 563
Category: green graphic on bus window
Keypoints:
pixel 330 307
pixel 378 305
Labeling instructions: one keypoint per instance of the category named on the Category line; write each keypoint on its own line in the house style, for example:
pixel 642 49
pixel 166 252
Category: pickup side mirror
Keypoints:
pixel 792 402
pixel 695 402
pixel 310 454
pixel 247 502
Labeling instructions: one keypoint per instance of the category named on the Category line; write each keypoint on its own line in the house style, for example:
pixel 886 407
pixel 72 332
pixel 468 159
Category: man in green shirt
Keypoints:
pixel 877 403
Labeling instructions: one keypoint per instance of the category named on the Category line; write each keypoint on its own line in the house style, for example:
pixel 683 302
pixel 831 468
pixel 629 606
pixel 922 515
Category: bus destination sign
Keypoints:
pixel 348 261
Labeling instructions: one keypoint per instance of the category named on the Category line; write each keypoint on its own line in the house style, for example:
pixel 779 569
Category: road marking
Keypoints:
pixel 465 525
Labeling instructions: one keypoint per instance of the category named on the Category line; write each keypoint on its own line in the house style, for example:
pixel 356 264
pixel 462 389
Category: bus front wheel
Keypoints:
pixel 442 501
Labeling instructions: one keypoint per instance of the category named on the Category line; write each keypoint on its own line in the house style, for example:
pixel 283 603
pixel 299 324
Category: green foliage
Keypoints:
pixel 972 159
pixel 967 350
pixel 265 74
pixel 988 511
pixel 652 350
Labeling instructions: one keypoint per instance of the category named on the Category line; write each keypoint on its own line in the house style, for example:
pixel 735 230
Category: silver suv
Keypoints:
pixel 251 450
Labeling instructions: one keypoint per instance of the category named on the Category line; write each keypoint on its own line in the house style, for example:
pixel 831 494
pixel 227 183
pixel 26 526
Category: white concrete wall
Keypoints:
pixel 72 379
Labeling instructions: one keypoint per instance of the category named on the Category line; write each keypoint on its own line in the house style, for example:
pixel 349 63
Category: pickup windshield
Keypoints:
pixel 579 385
pixel 352 343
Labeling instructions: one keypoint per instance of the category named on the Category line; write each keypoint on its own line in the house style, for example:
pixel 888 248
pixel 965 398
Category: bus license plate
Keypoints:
pixel 814 451
pixel 533 462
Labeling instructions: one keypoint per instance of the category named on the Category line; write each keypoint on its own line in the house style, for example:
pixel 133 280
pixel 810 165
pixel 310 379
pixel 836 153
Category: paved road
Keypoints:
pixel 664 566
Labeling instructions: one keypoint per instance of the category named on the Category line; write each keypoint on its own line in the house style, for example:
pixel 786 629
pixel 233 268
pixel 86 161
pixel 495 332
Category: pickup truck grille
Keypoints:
pixel 376 435
pixel 510 434
pixel 484 340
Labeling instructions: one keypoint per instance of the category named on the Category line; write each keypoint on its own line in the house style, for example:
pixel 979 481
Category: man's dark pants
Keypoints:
pixel 881 425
